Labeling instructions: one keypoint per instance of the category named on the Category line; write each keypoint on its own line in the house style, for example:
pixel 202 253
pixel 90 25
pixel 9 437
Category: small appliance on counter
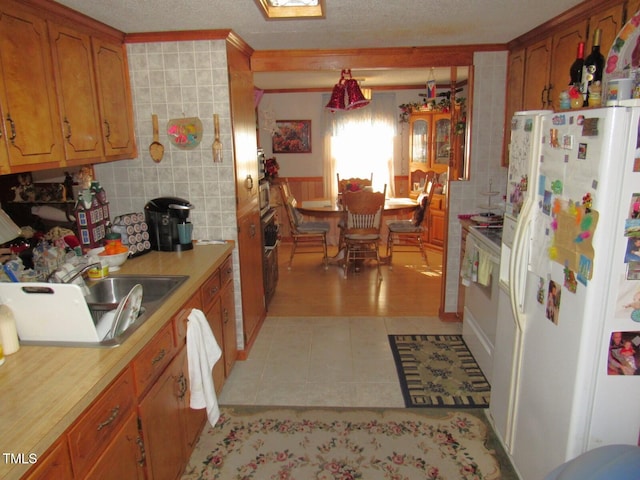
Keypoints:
pixel 169 228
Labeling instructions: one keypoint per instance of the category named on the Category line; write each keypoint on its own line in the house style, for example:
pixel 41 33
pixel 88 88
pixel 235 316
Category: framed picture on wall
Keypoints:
pixel 292 136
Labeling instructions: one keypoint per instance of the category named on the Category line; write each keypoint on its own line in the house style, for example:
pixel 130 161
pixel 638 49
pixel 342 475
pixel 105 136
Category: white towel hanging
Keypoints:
pixel 202 354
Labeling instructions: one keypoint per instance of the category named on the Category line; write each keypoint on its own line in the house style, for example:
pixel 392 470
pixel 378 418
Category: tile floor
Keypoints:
pixel 325 361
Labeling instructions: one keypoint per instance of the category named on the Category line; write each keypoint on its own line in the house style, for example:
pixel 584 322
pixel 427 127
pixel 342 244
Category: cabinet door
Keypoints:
pixel 515 92
pixel 227 308
pixel 54 464
pixel 193 420
pixel 609 21
pixel 75 79
pixel 123 458
pixel 33 135
pixel 214 317
pixel 114 95
pixel 436 227
pixel 565 47
pixel 250 253
pixel 441 139
pixel 419 138
pixel 162 427
pixel 536 75
pixel 632 8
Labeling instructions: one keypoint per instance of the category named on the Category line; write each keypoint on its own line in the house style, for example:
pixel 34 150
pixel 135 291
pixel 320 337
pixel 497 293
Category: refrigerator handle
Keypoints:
pixel 518 264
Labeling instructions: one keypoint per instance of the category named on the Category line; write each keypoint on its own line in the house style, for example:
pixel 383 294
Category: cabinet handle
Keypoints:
pixel 108 134
pixel 68 125
pixel 13 128
pixel 549 94
pixel 182 383
pixel 112 417
pixel 225 312
pixel 248 182
pixel 159 357
pixel 542 95
pixel 143 454
pixel 213 291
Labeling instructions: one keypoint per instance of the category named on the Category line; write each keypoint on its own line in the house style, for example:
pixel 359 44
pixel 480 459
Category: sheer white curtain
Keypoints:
pixel 360 142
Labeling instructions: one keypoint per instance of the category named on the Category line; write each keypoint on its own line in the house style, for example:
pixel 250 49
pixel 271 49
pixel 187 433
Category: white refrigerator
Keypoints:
pixel 570 275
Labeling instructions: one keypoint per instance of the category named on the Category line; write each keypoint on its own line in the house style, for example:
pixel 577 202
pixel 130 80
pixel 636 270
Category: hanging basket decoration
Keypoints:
pixel 185 133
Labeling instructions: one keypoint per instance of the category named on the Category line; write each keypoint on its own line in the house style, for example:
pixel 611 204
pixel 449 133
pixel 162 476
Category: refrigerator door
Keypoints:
pixel 563 320
pixel 524 154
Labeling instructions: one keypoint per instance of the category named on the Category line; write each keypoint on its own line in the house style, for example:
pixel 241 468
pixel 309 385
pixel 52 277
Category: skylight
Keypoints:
pixel 279 9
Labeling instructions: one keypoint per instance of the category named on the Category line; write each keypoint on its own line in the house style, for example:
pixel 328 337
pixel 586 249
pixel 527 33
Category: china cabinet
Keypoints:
pixel 429 142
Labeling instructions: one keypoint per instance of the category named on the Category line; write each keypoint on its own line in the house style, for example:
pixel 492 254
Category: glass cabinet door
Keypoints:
pixel 442 140
pixel 419 141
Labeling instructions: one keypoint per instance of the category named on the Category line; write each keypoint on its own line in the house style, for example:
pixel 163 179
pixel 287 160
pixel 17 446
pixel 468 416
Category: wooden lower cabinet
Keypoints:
pixel 55 463
pixel 437 220
pixel 123 458
pixel 141 426
pixel 162 420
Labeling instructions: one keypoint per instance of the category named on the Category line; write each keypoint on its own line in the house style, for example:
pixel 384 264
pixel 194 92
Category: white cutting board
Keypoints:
pixel 49 312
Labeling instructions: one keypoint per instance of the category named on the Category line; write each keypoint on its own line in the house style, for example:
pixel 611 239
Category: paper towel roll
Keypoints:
pixel 51 213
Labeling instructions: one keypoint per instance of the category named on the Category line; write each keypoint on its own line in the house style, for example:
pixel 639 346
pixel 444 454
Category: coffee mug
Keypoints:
pixel 184 232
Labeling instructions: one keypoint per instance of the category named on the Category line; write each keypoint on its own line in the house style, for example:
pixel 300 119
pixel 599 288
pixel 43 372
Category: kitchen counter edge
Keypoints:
pixel 43 390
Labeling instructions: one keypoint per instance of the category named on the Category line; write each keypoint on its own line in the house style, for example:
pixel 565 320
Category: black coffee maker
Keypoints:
pixel 169 228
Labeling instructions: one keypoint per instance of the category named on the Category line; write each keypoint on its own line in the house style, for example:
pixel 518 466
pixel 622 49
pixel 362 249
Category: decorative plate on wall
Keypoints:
pixel 185 133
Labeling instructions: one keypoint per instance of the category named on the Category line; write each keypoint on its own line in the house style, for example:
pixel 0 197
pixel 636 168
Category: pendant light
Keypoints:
pixel 347 86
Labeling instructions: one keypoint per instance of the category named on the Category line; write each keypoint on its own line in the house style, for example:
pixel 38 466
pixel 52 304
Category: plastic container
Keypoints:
pixel 113 243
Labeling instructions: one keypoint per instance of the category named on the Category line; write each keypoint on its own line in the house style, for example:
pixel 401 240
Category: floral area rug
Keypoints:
pixel 294 443
pixel 438 371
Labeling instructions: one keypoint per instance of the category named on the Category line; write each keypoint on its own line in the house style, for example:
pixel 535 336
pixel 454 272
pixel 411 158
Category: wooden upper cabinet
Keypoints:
pixel 243 118
pixel 515 91
pixel 113 100
pixel 564 50
pixel 536 75
pixel 609 21
pixel 30 121
pixel 78 101
pixel 632 8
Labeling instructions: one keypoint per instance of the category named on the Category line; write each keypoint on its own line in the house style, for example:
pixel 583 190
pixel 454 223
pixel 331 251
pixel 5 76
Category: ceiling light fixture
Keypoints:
pixel 281 9
pixel 347 87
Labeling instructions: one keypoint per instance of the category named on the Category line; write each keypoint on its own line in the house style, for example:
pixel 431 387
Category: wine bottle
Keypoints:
pixel 576 67
pixel 593 66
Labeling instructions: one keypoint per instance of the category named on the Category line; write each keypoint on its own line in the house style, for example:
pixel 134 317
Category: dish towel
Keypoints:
pixel 202 354
pixel 469 267
pixel 485 267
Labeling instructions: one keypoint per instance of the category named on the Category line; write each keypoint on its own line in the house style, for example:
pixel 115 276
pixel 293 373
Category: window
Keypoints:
pixel 361 142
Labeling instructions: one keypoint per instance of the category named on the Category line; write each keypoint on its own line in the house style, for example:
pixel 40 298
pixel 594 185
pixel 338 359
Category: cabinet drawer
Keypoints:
pixel 181 318
pixel 100 423
pixel 210 290
pixel 153 358
pixel 226 271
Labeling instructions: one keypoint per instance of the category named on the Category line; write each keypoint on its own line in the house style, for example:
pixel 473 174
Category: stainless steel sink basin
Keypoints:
pixel 105 295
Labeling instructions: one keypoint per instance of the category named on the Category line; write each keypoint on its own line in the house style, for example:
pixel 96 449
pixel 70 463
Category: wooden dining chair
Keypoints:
pixel 311 236
pixel 408 234
pixel 353 184
pixel 363 219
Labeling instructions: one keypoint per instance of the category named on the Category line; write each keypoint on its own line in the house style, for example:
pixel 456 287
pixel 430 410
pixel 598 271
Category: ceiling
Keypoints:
pixel 348 24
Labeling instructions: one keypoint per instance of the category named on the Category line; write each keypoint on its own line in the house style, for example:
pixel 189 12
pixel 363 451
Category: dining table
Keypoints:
pixel 332 211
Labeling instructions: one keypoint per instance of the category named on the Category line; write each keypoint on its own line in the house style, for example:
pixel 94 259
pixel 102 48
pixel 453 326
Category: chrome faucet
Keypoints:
pixel 53 279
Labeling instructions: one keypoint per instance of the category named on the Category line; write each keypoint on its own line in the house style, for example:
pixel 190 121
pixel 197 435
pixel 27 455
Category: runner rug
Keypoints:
pixel 281 443
pixel 438 371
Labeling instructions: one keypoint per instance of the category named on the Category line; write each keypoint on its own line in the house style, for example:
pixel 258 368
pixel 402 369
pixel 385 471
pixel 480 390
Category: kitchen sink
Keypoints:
pixel 105 295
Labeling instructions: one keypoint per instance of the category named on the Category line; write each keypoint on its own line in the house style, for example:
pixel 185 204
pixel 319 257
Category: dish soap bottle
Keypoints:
pixel 8 333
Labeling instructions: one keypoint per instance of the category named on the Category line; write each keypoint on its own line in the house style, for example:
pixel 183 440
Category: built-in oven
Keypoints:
pixel 481 295
pixel 264 197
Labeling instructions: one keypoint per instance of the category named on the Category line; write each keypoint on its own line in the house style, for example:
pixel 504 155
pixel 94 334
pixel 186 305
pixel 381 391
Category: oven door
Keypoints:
pixel 481 305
